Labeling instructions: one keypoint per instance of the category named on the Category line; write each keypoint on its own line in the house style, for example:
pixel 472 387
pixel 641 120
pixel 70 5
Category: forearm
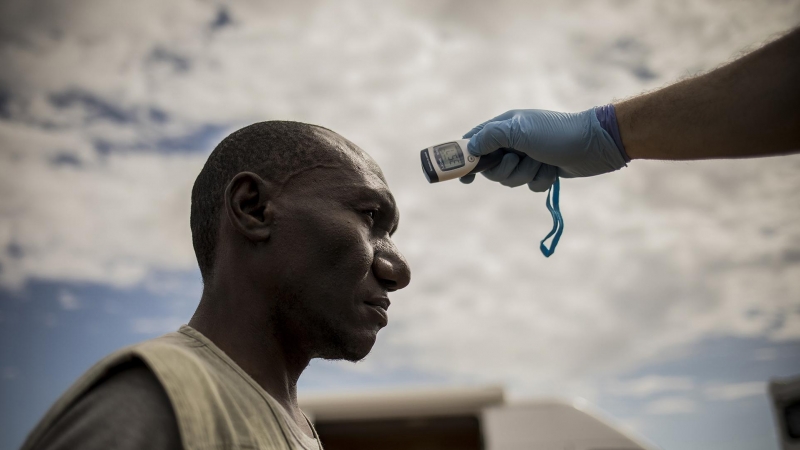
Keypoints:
pixel 750 107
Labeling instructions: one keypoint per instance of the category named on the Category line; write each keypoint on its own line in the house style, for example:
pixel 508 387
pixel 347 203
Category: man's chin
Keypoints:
pixel 352 357
pixel 353 349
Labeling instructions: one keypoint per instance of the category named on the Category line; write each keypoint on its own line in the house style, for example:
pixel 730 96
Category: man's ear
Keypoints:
pixel 249 207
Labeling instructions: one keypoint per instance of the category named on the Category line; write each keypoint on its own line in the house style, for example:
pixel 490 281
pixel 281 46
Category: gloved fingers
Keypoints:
pixel 467 179
pixel 544 178
pixel 504 169
pixel 524 172
pixel 493 136
pixel 505 116
pixel 472 132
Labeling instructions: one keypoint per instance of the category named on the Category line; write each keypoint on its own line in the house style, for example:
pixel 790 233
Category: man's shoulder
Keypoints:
pixel 127 408
pixel 123 373
pixel 168 353
pixel 209 397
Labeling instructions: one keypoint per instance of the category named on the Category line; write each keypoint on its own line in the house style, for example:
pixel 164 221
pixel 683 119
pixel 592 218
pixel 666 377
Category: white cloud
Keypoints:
pixel 68 300
pixel 650 385
pixel 735 391
pixel 654 258
pixel 671 405
pixel 110 220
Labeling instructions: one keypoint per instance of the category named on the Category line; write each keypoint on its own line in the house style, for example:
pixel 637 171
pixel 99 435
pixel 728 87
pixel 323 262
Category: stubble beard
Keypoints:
pixel 325 335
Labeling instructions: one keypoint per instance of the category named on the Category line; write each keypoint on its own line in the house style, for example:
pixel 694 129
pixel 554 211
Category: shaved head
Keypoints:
pixel 276 151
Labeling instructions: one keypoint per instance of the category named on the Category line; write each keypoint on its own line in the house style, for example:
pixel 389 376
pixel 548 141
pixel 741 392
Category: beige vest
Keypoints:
pixel 218 406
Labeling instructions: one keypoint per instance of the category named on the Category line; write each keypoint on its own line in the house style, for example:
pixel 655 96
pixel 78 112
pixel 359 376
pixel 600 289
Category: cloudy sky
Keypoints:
pixel 674 295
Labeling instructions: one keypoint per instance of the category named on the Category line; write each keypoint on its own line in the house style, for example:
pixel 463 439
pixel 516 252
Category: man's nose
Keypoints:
pixel 391 268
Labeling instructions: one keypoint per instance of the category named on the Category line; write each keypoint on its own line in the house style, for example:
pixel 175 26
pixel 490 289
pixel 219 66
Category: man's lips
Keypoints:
pixel 380 305
pixel 380 302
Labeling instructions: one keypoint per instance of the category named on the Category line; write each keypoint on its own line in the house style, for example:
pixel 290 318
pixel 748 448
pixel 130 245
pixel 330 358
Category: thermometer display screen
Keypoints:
pixel 449 156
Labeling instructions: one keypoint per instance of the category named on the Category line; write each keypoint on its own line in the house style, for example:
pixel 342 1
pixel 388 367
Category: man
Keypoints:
pixel 292 226
pixel 748 108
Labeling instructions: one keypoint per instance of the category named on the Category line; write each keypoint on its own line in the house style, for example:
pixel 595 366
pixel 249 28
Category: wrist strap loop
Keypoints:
pixel 558 221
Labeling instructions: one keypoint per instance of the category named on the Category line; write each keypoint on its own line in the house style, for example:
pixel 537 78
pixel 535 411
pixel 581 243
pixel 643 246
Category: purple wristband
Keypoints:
pixel 607 116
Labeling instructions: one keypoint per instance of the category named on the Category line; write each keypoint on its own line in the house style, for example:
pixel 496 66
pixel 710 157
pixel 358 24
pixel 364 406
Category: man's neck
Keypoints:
pixel 252 344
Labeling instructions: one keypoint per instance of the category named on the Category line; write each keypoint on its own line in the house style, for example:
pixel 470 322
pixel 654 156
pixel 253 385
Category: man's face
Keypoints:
pixel 332 233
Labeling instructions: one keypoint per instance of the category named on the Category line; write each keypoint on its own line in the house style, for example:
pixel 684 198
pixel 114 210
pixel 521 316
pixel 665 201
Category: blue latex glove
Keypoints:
pixel 557 144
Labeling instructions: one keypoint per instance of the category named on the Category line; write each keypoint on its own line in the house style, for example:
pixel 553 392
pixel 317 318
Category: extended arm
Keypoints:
pixel 750 107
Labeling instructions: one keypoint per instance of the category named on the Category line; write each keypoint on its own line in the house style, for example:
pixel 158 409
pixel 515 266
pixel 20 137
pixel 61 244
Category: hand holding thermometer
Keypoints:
pixel 452 160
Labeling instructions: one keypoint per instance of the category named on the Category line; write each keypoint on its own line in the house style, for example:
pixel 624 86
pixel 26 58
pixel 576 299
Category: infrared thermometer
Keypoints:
pixel 452 160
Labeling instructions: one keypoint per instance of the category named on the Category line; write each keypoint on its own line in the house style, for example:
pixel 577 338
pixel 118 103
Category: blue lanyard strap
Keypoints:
pixel 558 222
